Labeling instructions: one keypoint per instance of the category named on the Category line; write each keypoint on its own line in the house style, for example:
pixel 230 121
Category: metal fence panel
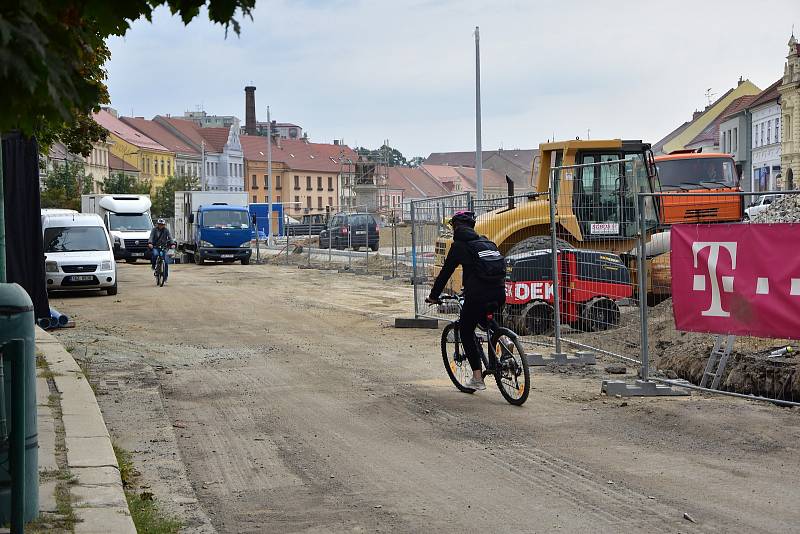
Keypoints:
pixel 749 369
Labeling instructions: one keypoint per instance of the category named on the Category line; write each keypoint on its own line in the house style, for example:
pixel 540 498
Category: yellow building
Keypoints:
pixel 154 161
pixel 790 109
pixel 684 134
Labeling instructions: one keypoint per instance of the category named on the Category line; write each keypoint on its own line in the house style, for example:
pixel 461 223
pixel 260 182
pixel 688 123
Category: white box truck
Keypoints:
pixel 128 220
pixel 213 226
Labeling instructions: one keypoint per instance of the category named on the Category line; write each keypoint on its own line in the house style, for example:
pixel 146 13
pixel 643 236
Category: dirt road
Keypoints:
pixel 274 399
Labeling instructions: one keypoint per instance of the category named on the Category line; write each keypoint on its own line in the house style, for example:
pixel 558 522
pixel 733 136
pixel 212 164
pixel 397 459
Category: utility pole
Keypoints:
pixel 269 181
pixel 203 177
pixel 478 151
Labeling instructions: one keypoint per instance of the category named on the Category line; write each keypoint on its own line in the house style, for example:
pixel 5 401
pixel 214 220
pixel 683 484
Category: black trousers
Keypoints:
pixel 474 313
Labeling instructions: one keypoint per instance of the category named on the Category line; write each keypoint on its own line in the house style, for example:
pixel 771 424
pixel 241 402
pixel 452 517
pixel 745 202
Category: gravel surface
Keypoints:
pixel 784 209
pixel 276 399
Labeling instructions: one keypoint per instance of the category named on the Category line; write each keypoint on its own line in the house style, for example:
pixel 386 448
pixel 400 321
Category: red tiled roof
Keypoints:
pixel 298 154
pixel 117 164
pixel 215 138
pixel 520 157
pixel 158 133
pixel 711 132
pixel 490 178
pixel 415 183
pixel 125 132
pixel 188 129
pixel 254 147
pixel 767 95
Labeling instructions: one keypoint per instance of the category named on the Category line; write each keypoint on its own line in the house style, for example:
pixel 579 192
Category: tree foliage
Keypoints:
pixel 121 184
pixel 52 57
pixel 389 155
pixel 164 199
pixel 64 185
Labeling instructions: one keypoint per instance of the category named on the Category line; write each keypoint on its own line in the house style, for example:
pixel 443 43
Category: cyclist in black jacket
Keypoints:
pixel 480 296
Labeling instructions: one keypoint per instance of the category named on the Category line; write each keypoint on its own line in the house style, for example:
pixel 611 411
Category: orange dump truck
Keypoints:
pixel 688 171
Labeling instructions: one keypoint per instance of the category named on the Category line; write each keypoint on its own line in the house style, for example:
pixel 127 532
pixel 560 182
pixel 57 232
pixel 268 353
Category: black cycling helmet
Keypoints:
pixel 463 217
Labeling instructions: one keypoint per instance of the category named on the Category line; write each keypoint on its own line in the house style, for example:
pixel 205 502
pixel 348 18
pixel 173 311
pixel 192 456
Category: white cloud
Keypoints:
pixel 404 70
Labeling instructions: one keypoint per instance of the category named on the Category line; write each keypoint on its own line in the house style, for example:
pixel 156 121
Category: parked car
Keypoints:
pixel 79 253
pixel 761 203
pixel 350 230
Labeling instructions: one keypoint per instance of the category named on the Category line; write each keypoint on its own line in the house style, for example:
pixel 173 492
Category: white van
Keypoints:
pixel 78 253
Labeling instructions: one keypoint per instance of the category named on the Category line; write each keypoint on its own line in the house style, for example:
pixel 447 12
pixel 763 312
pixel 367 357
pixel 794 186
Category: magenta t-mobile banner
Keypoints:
pixel 741 279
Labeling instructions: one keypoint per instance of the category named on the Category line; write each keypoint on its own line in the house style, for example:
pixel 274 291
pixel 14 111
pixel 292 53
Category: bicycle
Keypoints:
pixel 510 370
pixel 160 269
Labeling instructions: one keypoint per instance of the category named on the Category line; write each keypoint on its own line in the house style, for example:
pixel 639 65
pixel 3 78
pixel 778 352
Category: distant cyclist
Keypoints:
pixel 159 241
pixel 484 286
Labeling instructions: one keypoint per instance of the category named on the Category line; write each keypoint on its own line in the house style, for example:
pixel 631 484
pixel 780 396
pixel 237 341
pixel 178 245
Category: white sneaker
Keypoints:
pixel 476 384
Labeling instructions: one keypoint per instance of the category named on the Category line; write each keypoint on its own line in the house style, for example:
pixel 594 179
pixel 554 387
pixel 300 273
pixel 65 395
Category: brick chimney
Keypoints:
pixel 250 110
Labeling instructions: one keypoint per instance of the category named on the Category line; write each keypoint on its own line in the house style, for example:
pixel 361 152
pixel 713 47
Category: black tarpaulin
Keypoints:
pixel 24 254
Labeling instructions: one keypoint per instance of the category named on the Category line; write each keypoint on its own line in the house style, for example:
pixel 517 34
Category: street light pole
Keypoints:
pixel 269 179
pixel 478 151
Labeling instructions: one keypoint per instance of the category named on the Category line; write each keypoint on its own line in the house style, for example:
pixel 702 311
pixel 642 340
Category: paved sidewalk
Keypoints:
pixel 81 459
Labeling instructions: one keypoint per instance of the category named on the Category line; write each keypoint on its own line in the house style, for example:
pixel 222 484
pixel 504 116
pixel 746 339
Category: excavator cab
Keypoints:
pixel 597 183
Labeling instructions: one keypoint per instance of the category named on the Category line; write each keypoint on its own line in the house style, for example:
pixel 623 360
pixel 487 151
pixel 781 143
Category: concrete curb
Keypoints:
pixel 99 500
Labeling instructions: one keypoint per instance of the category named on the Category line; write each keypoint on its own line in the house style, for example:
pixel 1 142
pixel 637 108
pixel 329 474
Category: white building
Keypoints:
pixel 765 111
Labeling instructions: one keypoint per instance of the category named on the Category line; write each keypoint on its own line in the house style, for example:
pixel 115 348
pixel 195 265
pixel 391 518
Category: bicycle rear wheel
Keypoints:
pixel 513 376
pixel 455 360
pixel 159 272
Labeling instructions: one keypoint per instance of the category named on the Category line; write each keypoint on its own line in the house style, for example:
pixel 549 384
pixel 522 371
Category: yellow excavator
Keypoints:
pixel 597 186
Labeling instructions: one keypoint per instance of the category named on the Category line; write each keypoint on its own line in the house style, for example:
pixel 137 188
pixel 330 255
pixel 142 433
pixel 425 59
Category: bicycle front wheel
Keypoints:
pixel 455 360
pixel 513 376
pixel 159 273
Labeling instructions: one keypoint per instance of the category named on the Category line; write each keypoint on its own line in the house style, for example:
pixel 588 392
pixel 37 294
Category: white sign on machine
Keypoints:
pixel 604 229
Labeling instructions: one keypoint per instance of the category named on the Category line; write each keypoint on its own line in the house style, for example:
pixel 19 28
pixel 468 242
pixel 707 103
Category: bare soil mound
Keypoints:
pixel 749 370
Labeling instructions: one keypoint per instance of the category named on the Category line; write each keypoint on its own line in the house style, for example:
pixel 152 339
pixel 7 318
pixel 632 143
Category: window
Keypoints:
pixel 255 199
pixel 761 137
pixel 319 183
pixel 319 202
pixel 755 135
pixel 162 167
pixel 168 167
pixel 255 185
pixel 297 182
pixel 266 181
pixel 777 129
pixel 330 183
pixel 308 202
pixel 308 183
pixel 736 139
pixel 769 132
pixel 330 201
pixel 278 199
pixel 278 182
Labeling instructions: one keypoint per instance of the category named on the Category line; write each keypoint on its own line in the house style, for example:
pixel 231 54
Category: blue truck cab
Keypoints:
pixel 215 231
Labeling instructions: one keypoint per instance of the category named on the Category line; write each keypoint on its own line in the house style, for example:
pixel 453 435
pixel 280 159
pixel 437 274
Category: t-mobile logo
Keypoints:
pixel 715 310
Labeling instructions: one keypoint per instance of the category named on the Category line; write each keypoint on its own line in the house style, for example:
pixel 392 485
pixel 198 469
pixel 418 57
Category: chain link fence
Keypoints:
pixel 593 295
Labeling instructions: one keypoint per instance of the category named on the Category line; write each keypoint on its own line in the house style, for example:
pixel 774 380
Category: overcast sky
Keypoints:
pixel 365 71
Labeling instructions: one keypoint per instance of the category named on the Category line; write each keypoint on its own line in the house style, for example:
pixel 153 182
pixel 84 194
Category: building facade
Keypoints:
pixel 154 161
pixel 765 135
pixel 306 176
pixel 204 120
pixel 187 158
pixel 789 91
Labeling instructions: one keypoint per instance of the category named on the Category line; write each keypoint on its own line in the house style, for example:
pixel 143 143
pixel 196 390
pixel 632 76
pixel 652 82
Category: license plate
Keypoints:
pixel 227 255
pixel 137 254
pixel 360 232
pixel 82 277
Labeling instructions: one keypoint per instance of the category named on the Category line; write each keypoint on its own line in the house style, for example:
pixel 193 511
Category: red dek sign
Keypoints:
pixel 741 279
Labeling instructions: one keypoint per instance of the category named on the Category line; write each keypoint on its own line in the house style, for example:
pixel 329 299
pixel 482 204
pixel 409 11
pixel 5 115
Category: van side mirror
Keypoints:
pixel 191 218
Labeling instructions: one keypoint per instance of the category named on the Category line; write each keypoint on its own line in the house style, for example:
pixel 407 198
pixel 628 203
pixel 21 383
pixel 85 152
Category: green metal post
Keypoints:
pixel 2 221
pixel 15 349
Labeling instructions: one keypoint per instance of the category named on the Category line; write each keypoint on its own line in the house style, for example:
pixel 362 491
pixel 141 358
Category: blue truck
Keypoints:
pixel 213 226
